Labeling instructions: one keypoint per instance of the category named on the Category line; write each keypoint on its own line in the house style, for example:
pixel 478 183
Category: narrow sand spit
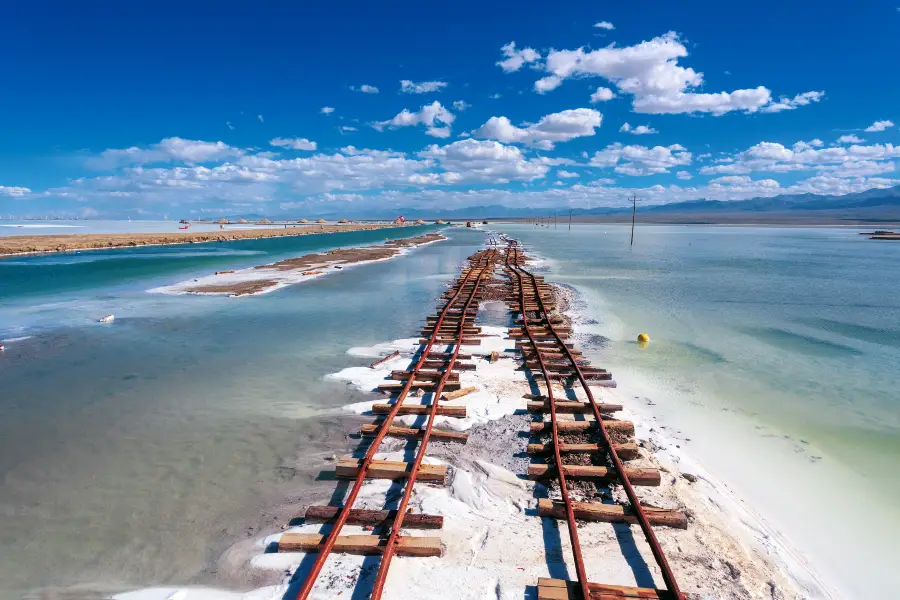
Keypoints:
pixel 267 278
pixel 32 244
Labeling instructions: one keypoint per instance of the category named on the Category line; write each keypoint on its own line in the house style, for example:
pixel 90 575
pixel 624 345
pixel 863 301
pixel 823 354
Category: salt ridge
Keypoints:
pixel 281 278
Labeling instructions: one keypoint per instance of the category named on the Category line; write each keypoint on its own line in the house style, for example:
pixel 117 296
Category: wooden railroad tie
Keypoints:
pixel 570 406
pixel 360 544
pixel 448 355
pixel 624 427
pixel 446 341
pixel 636 475
pixel 348 468
pixel 538 335
pixel 611 513
pixel 458 393
pixel 420 409
pixel 553 320
pixel 427 386
pixel 451 318
pixel 560 589
pixel 552 354
pixel 626 451
pixel 457 366
pixel 381 361
pixel 561 375
pixel 452 329
pixel 541 327
pixel 424 375
pixel 546 345
pixel 559 363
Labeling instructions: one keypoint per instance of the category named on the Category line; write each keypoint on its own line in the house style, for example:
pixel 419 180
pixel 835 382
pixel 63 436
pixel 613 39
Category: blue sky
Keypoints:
pixel 196 109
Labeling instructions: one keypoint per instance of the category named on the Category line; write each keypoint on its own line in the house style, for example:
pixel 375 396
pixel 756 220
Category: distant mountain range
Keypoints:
pixel 872 206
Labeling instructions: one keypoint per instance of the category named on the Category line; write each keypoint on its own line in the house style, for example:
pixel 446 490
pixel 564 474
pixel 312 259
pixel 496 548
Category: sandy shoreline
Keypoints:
pixel 38 244
pixel 270 277
pixel 494 545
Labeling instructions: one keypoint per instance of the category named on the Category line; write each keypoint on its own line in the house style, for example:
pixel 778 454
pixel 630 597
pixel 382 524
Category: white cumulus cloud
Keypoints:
pixel 326 110
pixel 879 125
pixel 547 84
pixel 649 71
pixel 461 105
pixel 602 94
pixel 850 139
pixel 801 146
pixel 773 157
pixel 550 130
pixel 484 160
pixel 14 192
pixel 429 115
pixel 365 89
pixel 167 150
pixel 293 143
pixel 425 87
pixel 516 59
pixel 785 103
pixel 438 132
pixel 604 25
pixel 641 160
pixel 639 130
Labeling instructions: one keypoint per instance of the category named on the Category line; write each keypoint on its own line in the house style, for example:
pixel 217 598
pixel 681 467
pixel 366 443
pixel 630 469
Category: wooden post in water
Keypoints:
pixel 633 214
pixel 570 219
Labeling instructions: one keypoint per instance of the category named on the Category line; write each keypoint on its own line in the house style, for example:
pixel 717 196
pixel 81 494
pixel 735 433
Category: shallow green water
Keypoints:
pixel 133 453
pixel 776 351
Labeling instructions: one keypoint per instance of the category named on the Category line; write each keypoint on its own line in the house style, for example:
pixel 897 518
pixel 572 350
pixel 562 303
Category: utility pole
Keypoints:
pixel 633 215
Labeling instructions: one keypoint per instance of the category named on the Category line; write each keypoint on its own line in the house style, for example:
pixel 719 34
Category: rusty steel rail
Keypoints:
pixel 668 577
pixel 327 546
pixel 570 511
pixel 393 539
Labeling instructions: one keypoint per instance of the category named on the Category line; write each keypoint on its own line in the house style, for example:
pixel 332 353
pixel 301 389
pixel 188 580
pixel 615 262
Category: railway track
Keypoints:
pixel 540 338
pixel 434 371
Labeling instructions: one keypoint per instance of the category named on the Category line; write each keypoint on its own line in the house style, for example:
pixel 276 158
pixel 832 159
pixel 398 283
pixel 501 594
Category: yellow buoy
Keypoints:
pixel 643 339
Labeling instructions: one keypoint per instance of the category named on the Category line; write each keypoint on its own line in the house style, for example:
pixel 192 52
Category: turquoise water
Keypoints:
pixel 775 360
pixel 65 227
pixel 34 290
pixel 134 453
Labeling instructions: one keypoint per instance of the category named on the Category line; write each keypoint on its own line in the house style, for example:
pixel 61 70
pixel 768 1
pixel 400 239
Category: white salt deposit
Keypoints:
pixel 494 544
pixel 281 278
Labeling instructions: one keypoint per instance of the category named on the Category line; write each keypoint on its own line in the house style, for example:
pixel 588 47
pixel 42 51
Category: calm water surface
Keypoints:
pixel 776 353
pixel 133 453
